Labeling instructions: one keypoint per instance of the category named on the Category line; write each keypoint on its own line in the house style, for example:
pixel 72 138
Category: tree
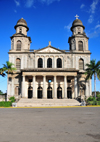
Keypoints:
pixel 2 72
pixel 1 92
pixel 93 69
pixel 8 67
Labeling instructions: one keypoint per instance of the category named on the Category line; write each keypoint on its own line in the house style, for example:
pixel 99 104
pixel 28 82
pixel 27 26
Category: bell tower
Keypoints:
pixel 78 41
pixel 20 41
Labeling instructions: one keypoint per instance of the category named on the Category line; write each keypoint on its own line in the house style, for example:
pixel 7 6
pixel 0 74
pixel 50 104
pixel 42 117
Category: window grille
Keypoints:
pixel 59 63
pixel 80 46
pixel 18 46
pixel 18 64
pixel 49 63
pixel 81 64
pixel 40 63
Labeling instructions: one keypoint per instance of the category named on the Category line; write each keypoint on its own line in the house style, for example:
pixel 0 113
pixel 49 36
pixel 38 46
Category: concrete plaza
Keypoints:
pixel 79 124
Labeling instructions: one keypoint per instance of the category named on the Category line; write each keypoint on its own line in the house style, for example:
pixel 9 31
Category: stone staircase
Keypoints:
pixel 24 102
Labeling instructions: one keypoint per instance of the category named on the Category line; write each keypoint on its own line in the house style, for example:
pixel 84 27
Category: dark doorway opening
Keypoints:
pixel 69 93
pixel 59 92
pixel 40 92
pixel 30 91
pixel 49 92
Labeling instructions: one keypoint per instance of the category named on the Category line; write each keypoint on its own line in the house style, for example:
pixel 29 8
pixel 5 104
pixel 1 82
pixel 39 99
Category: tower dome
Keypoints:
pixel 77 22
pixel 21 22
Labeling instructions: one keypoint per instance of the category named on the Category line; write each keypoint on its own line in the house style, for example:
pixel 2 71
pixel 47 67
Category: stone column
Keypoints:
pixel 55 88
pixel 23 87
pixel 87 90
pixel 90 88
pixel 44 87
pixel 75 87
pixel 65 87
pixel 34 87
pixel 54 62
pixel 44 62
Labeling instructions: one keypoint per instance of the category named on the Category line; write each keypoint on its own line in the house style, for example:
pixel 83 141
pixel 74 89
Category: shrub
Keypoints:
pixel 12 99
pixel 94 102
pixel 98 99
pixel 90 98
pixel 98 103
pixel 5 104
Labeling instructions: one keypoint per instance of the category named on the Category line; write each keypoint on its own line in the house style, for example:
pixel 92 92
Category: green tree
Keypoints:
pixel 1 92
pixel 8 67
pixel 93 69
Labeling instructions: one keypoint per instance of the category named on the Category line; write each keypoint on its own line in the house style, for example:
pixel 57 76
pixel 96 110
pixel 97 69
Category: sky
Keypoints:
pixel 49 20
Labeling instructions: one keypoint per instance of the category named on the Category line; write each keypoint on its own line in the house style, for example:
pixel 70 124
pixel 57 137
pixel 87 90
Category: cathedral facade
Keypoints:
pixel 49 72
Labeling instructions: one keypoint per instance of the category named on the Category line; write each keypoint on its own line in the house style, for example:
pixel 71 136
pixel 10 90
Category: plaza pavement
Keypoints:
pixel 76 124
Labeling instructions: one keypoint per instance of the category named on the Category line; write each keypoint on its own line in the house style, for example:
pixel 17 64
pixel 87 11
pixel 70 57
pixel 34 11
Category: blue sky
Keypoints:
pixel 49 20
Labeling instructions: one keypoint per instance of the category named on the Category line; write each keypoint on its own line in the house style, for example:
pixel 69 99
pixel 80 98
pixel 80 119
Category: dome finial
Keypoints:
pixel 76 16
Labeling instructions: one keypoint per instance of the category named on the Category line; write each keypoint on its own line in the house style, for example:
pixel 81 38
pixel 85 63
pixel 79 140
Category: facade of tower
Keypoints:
pixel 49 72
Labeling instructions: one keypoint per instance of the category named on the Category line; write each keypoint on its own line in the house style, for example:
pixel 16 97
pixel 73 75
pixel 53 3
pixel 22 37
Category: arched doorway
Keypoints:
pixel 49 92
pixel 69 93
pixel 30 92
pixel 39 92
pixel 59 92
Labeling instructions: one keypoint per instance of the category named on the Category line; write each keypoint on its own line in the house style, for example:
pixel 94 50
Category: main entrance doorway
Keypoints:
pixel 59 92
pixel 30 91
pixel 49 92
pixel 69 93
pixel 39 92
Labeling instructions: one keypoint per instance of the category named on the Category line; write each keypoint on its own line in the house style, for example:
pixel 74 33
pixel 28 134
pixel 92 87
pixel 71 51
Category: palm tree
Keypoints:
pixel 93 69
pixel 2 72
pixel 8 67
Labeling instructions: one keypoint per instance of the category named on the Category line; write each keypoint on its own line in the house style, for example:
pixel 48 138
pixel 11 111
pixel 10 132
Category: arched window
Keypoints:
pixel 18 45
pixel 18 64
pixel 49 63
pixel 81 64
pixel 20 30
pixel 59 63
pixel 40 63
pixel 80 46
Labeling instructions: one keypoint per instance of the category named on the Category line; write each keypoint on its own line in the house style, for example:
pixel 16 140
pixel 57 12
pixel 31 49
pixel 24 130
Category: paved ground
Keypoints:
pixel 50 124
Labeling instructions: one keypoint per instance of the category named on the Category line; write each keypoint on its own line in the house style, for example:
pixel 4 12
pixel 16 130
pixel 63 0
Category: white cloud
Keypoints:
pixel 48 2
pixel 17 2
pixel 92 10
pixel 15 11
pixel 29 3
pixel 93 6
pixel 68 26
pixel 90 20
pixel 97 26
pixel 82 5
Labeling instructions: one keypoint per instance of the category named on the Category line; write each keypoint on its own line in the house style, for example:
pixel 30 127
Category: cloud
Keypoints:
pixel 92 10
pixel 97 26
pixel 29 3
pixel 48 2
pixel 68 26
pixel 93 6
pixel 82 5
pixel 90 20
pixel 17 2
pixel 15 11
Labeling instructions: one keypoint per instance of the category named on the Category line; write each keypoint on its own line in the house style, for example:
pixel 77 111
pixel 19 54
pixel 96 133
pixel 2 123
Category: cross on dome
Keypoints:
pixel 76 16
pixel 49 42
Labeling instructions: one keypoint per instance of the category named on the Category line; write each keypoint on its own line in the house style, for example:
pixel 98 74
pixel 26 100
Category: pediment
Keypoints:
pixel 49 49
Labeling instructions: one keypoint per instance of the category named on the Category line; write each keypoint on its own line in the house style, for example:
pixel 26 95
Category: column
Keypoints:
pixel 65 87
pixel 23 87
pixel 75 87
pixel 54 62
pixel 87 90
pixel 44 87
pixel 44 62
pixel 34 87
pixel 55 88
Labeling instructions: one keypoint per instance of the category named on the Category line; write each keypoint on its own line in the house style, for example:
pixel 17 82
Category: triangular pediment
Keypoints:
pixel 49 49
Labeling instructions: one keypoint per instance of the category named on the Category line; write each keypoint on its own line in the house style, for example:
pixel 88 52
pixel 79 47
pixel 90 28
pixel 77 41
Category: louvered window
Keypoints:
pixel 18 63
pixel 80 46
pixel 49 63
pixel 18 46
pixel 81 64
pixel 40 63
pixel 59 63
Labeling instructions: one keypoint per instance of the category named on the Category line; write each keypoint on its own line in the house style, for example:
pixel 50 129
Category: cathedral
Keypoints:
pixel 49 73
